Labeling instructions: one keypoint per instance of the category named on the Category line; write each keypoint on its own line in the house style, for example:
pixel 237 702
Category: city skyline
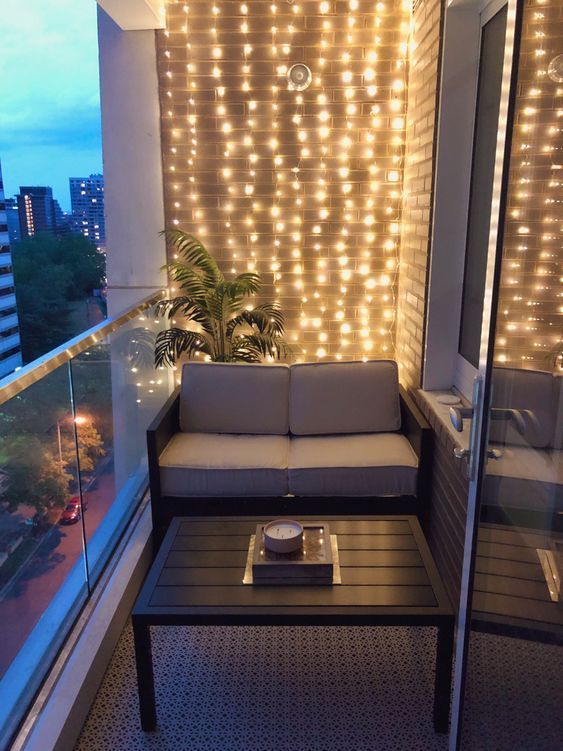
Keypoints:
pixel 35 209
pixel 50 116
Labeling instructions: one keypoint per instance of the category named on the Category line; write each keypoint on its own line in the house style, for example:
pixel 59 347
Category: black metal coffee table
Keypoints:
pixel 388 579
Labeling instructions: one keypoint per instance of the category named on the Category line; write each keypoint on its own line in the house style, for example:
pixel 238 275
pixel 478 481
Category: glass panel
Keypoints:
pixel 42 567
pixel 514 690
pixel 117 393
pixel 482 172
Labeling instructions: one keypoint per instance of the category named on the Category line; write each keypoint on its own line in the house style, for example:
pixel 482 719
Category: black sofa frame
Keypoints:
pixel 166 423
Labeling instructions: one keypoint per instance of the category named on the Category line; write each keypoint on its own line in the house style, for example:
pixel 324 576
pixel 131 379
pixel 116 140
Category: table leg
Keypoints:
pixel 443 679
pixel 145 677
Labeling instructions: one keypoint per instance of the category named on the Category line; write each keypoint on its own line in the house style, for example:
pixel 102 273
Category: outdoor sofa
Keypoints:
pixel 318 438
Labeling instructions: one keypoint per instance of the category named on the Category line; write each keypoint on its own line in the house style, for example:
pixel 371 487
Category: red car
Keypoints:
pixel 71 514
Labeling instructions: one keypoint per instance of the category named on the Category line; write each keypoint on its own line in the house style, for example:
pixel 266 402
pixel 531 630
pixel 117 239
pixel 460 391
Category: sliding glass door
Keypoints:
pixel 508 685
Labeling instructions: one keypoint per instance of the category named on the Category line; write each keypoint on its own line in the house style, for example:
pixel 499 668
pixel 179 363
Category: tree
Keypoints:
pixel 34 473
pixel 43 310
pixel 223 328
pixel 90 448
pixel 49 273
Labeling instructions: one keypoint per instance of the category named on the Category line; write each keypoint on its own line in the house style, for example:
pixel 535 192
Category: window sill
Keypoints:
pixel 441 412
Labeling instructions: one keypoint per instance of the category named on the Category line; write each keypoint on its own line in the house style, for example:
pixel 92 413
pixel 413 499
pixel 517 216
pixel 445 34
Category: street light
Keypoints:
pixel 78 420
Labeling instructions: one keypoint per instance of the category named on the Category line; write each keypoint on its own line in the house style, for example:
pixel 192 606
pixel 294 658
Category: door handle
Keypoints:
pixel 466 453
pixel 494 454
pixel 516 415
pixel 457 416
pixel 460 453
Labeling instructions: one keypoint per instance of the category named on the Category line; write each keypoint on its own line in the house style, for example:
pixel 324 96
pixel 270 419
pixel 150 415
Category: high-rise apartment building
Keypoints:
pixel 87 201
pixel 10 349
pixel 36 209
pixel 13 220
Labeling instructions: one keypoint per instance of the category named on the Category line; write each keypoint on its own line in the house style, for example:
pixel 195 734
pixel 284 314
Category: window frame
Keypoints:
pixel 444 367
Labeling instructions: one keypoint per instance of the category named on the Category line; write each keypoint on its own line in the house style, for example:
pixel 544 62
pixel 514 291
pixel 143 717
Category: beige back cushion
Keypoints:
pixel 344 397
pixel 532 393
pixel 233 398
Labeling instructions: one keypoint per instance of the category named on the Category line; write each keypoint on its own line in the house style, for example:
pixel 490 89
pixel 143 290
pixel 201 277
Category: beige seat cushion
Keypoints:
pixel 234 398
pixel 525 478
pixel 382 464
pixel 206 464
pixel 344 397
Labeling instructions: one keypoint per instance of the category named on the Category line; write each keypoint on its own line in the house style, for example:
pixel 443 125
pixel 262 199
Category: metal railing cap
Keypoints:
pixel 21 379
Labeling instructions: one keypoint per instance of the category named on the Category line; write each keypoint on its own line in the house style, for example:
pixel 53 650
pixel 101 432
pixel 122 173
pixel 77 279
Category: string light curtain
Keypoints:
pixel 530 326
pixel 302 186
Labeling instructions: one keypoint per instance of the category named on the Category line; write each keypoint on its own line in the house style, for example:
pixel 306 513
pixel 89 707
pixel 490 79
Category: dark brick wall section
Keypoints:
pixel 445 527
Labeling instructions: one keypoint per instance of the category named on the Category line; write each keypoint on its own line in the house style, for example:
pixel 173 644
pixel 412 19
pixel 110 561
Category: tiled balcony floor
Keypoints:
pixel 317 689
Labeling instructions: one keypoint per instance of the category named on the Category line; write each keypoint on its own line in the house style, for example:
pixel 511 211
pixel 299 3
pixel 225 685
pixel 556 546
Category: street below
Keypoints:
pixel 35 585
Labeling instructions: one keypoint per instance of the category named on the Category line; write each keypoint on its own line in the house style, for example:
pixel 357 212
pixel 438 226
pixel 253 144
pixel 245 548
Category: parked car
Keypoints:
pixel 71 513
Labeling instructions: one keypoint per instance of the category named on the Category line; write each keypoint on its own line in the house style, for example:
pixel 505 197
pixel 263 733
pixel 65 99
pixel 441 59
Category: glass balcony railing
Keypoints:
pixel 73 469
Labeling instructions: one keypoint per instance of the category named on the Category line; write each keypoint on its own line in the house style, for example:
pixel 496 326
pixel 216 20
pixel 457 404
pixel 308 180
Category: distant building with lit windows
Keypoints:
pixel 10 348
pixel 87 201
pixel 39 212
pixel 13 220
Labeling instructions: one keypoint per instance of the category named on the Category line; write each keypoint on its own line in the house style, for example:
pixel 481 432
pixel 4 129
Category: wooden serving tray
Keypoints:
pixel 313 564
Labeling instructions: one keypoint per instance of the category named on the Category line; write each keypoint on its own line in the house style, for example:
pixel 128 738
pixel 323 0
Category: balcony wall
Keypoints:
pixel 303 187
pixel 422 108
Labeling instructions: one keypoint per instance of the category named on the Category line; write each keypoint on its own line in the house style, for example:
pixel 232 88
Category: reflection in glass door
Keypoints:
pixel 509 684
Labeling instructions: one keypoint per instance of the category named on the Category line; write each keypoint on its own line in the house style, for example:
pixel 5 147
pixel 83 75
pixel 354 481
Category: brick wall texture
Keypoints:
pixel 530 324
pixel 447 511
pixel 303 187
pixel 418 185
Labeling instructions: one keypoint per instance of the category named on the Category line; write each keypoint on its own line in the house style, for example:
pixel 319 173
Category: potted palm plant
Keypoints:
pixel 224 329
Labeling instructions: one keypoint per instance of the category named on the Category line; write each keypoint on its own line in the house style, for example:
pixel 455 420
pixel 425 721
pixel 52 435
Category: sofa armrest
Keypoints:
pixel 419 434
pixel 413 423
pixel 160 431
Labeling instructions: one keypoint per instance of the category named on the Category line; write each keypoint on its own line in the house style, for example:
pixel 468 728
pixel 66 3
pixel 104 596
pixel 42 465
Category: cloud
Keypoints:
pixel 50 89
pixel 67 126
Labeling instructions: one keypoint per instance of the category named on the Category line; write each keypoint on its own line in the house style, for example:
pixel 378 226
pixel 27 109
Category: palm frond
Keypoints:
pixel 135 345
pixel 238 289
pixel 266 318
pixel 190 281
pixel 246 355
pixel 248 283
pixel 172 343
pixel 215 302
pixel 193 252
pixel 257 345
pixel 276 318
pixel 184 305
pixel 216 305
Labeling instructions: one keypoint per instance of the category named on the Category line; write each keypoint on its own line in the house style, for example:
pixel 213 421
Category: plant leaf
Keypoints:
pixel 172 343
pixel 193 252
pixel 267 319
